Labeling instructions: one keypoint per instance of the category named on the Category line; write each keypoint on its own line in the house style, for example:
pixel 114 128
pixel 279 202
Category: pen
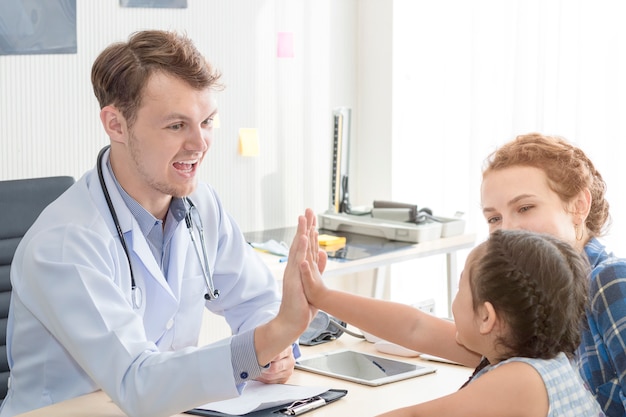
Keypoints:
pixel 296 410
pixel 379 367
pixel 283 259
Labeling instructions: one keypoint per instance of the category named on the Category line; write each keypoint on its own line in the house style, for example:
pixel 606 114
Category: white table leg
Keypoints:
pixel 380 279
pixel 452 279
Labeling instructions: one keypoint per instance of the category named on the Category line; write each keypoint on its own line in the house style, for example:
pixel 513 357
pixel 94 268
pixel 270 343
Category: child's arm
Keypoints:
pixel 395 322
pixel 512 390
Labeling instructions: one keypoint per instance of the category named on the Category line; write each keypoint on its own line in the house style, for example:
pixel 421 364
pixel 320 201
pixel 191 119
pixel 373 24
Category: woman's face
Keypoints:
pixel 519 197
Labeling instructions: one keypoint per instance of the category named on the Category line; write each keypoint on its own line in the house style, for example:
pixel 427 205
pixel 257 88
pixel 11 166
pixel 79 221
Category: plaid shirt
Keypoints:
pixel 601 357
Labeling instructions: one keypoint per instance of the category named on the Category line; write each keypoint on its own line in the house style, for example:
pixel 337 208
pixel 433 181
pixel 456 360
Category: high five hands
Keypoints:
pixel 273 340
pixel 305 258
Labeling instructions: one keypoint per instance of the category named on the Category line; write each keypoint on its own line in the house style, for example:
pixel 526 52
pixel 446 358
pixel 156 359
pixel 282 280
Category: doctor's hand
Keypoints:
pixel 303 251
pixel 311 273
pixel 295 312
pixel 280 369
pixel 315 263
pixel 315 256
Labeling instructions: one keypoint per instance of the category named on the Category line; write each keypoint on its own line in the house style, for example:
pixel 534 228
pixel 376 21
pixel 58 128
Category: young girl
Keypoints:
pixel 520 302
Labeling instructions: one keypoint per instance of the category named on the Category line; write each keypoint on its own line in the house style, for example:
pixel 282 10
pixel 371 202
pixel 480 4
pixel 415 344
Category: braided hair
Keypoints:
pixel 539 285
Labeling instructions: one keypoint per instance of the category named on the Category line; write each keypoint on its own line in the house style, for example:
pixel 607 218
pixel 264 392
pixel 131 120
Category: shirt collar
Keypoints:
pixel 595 252
pixel 145 219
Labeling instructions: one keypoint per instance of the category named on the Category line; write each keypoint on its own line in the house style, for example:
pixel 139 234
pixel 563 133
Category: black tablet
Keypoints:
pixel 361 367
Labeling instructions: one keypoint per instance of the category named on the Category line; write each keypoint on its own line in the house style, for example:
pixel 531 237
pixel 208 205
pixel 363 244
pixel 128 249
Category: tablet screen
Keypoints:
pixel 361 367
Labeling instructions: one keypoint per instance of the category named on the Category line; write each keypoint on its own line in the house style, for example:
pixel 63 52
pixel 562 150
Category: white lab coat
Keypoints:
pixel 72 326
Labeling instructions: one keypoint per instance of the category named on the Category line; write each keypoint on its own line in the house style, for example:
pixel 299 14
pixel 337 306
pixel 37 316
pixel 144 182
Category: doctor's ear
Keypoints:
pixel 114 123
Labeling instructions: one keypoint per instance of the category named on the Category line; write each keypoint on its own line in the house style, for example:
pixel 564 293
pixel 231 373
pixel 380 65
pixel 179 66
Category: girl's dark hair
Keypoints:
pixel 539 285
pixel 120 73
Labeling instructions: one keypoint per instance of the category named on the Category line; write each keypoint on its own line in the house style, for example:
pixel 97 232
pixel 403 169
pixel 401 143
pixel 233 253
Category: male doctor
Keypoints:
pixel 110 283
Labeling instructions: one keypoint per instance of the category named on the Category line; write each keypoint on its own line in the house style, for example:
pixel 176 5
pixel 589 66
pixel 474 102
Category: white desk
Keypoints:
pixel 361 400
pixel 448 246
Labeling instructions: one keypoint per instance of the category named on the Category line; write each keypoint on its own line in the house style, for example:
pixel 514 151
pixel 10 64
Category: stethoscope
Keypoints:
pixel 136 294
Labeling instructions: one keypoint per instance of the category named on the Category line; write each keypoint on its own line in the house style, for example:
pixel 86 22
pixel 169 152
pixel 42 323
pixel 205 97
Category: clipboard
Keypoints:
pixel 291 409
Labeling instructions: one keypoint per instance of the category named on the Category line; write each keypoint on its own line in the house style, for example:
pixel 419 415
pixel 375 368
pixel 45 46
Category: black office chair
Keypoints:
pixel 21 202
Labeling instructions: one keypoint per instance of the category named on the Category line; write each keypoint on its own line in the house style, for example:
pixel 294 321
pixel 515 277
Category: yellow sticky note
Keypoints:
pixel 248 142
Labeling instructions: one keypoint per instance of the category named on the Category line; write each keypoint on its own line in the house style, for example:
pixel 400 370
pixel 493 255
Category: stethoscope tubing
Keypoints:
pixel 136 293
pixel 212 293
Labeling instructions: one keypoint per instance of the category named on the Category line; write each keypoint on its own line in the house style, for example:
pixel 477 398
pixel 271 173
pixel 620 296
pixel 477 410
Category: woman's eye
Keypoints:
pixel 176 126
pixel 493 220
pixel 208 122
pixel 524 208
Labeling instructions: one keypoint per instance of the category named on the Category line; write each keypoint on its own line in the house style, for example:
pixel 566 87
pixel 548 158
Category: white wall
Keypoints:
pixel 49 121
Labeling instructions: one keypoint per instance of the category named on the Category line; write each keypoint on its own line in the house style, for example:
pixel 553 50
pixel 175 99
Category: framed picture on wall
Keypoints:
pixel 38 27
pixel 161 4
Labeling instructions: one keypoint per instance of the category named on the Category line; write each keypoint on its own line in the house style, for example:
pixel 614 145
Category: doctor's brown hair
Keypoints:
pixel 568 169
pixel 121 71
pixel 538 285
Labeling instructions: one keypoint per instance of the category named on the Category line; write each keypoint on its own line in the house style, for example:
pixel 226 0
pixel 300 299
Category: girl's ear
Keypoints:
pixel 488 318
pixel 114 123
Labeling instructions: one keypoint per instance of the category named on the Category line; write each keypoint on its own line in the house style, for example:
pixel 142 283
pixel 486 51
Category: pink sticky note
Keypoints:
pixel 285 45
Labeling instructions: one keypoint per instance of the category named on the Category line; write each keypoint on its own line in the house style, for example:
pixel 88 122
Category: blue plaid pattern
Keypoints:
pixel 601 357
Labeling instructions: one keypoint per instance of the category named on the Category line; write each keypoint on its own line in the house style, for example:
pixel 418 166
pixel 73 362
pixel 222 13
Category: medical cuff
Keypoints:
pixel 243 357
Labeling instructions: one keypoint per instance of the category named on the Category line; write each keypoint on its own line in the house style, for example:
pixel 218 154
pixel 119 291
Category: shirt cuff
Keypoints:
pixel 243 357
pixel 296 350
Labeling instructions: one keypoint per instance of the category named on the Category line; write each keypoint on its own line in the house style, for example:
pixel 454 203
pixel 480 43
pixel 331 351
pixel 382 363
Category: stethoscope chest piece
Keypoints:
pixel 137 297
pixel 215 295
